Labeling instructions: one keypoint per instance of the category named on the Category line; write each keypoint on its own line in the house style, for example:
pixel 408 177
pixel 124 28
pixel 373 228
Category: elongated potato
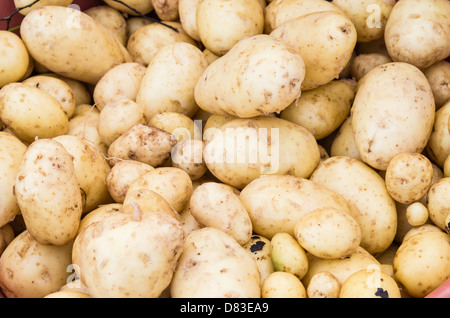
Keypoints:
pixel 63 39
pixel 48 193
pixel 287 255
pixel 187 10
pixel 14 58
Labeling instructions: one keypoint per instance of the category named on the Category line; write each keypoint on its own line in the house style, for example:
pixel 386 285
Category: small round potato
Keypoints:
pixel 438 202
pixel 417 214
pixel 188 156
pixel 363 63
pixel 14 58
pixel 438 75
pixel 323 285
pixel 282 285
pixel 260 248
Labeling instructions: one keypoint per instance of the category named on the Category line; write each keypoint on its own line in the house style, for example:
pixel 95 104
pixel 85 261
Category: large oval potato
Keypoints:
pixel 63 39
pixel 382 123
pixel 14 59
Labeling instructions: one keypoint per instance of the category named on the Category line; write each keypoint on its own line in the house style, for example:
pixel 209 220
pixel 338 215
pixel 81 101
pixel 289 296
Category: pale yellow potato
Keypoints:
pixel 120 82
pixel 11 153
pixel 118 253
pixel 438 75
pixel 212 251
pixel 214 122
pixel 147 40
pixel 188 156
pixel 41 3
pixel 321 110
pixel 343 143
pixel 112 19
pixel 408 177
pixel 323 285
pixel 117 117
pixel 282 285
pixel 438 147
pixel 142 143
pixel 439 202
pixel 142 6
pixel 182 127
pixel 79 89
pixel 187 10
pixel 368 283
pixel 56 87
pixel 381 129
pixel 6 236
pixel 30 112
pixel 67 294
pixel 363 63
pixel 98 214
pixel 134 23
pixel 91 169
pixel 287 255
pixel 368 16
pixel 64 39
pixel 260 247
pixel 417 214
pixel 48 193
pixel 14 58
pixel 420 229
pixel 122 174
pixel 171 183
pixel 368 199
pixel 325 40
pixel 328 233
pixel 259 75
pixel 419 268
pixel 275 203
pixel 166 10
pixel 188 222
pixel 29 269
pixel 418 32
pixel 220 25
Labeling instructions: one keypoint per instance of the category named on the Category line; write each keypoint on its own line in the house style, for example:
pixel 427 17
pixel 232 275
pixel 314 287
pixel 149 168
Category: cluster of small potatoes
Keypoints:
pixel 246 148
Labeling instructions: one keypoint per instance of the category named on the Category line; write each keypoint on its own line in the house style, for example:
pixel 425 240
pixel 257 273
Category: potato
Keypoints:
pixel 282 285
pixel 325 40
pixel 14 58
pixel 213 122
pixel 30 112
pixel 112 19
pixel 243 18
pixel 368 199
pixel 328 233
pixel 182 127
pixel 368 16
pixel 187 10
pixel 147 40
pixel 169 82
pixel 166 10
pixel 51 216
pixel 171 183
pixel 417 214
pixel 418 32
pixel 24 3
pixel 79 89
pixel 188 156
pixel 321 110
pixel 67 294
pixel 63 39
pixel 263 74
pixel 369 283
pixel 98 214
pixel 188 222
pixel 122 174
pixel 244 149
pixel 117 117
pixel 438 75
pixel 56 87
pixel 287 255
pixel 343 143
pixel 260 248
pixel 276 203
pixel 91 170
pixel 141 6
pixel 420 229
pixel 29 269
pixel 142 143
pixel 323 285
pixel 118 253
pixel 382 130
pixel 120 82
pixel 134 23
pixel 363 63
pixel 408 177
pixel 12 151
pixel 214 265
pixel 419 268
pixel 438 202
pixel 438 146
pixel 6 236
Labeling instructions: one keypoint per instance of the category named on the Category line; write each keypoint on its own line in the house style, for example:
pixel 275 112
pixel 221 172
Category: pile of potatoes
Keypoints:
pixel 245 148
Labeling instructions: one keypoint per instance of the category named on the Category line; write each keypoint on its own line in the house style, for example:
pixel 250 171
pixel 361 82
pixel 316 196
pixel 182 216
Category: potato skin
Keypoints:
pixel 14 58
pixel 438 206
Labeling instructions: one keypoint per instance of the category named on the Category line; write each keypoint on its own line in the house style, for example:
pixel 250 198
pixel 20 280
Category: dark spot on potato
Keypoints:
pixel 257 246
pixel 382 293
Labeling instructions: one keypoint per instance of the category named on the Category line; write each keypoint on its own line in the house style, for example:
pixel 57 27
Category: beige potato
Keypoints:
pixel 147 40
pixel 368 283
pixel 79 89
pixel 417 214
pixel 122 174
pixel 98 214
pixel 260 248
pixel 63 39
pixel 166 10
pixel 6 236
pixel 24 3
pixel 438 147
pixel 438 76
pixel 438 202
pixel 112 19
pixel 12 151
pixel 180 126
pixel 188 156
pixel 363 63
pixel 419 268
pixel 420 229
pixel 29 269
pixel 325 40
pixel 14 60
pixel 418 32
pixel 170 79
pixel 213 122
pixel 187 10
pixel 321 110
pixel 323 285
pixel 30 112
pixel 382 130
pixel 128 255
pixel 328 233
pixel 143 7
pixel 142 143
pixel 343 143
pixel 51 216
pixel 263 74
pixel 287 255
pixel 282 285
pixel 118 117
pixel 276 203
pixel 212 251
pixel 120 82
